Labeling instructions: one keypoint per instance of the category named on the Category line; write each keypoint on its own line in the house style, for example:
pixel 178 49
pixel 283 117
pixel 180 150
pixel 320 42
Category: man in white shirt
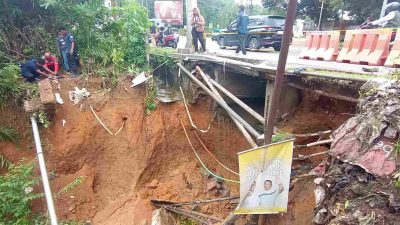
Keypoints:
pixel 268 196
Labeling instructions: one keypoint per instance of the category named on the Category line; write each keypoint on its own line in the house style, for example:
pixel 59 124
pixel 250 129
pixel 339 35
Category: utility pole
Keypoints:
pixel 385 2
pixel 320 15
pixel 190 4
pixel 280 73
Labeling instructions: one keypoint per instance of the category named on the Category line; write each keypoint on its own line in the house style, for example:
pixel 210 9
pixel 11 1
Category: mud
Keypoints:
pixel 151 159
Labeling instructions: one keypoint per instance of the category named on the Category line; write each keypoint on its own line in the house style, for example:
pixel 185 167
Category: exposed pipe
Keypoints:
pixel 239 102
pixel 43 172
pixel 221 103
pixel 239 126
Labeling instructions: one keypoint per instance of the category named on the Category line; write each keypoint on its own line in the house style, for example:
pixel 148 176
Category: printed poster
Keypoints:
pixel 170 12
pixel 265 178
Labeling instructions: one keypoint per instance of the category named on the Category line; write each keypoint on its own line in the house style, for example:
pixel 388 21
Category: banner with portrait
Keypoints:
pixel 265 178
pixel 170 12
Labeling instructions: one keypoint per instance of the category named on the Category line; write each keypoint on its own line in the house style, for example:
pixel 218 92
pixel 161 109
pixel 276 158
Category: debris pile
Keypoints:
pixel 359 186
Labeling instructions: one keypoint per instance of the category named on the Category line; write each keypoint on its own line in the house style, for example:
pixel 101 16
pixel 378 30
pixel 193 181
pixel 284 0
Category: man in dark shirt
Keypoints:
pixel 242 21
pixel 30 70
pixel 68 49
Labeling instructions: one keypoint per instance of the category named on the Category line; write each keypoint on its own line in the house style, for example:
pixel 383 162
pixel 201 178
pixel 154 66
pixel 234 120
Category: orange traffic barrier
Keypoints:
pixel 367 47
pixel 322 45
pixel 393 59
pixel 312 45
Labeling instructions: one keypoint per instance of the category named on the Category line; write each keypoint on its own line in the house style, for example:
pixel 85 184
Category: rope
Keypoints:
pixel 198 157
pixel 105 127
pixel 214 156
pixel 190 117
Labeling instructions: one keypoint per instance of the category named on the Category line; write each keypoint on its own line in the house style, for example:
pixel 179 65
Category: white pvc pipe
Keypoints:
pixel 43 172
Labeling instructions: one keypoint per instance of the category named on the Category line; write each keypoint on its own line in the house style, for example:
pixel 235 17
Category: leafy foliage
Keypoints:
pixel 8 134
pixel 150 104
pixel 9 83
pixel 114 36
pixel 72 185
pixel 281 136
pixel 359 10
pixel 4 163
pixel 15 194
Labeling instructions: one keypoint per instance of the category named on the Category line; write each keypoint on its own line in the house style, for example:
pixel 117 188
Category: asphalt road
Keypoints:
pixel 270 58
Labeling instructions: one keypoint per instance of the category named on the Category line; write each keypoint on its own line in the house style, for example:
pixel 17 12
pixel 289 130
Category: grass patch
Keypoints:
pixel 281 136
pixel 162 51
pixel 344 74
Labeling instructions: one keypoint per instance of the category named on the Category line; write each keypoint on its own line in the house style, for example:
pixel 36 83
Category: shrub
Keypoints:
pixel 16 194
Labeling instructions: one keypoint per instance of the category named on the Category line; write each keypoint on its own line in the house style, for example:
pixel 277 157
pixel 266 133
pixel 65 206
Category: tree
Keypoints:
pixel 218 12
pixel 358 10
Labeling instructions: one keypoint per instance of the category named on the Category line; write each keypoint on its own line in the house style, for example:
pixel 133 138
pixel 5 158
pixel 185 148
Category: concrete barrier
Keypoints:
pixel 322 45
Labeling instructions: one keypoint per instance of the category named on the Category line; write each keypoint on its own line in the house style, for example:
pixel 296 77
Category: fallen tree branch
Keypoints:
pixel 304 157
pixel 313 134
pixel 191 214
pixel 193 202
pixel 230 219
pixel 276 130
pixel 329 141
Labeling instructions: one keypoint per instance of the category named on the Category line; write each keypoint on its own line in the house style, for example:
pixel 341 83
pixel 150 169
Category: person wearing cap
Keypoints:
pixel 392 17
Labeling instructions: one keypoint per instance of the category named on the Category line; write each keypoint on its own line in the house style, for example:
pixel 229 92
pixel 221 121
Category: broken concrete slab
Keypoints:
pixel 47 98
pixel 46 92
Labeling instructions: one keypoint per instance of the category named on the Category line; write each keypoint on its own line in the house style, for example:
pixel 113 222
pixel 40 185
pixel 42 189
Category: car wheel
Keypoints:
pixel 253 44
pixel 221 42
pixel 277 47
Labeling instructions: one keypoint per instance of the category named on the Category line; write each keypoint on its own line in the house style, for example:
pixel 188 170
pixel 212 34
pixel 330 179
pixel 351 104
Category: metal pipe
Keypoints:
pixel 239 126
pixel 221 103
pixel 280 73
pixel 239 102
pixel 43 172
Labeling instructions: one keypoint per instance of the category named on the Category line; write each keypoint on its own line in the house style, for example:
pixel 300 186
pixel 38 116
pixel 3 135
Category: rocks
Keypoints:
pixel 153 184
pixel 212 184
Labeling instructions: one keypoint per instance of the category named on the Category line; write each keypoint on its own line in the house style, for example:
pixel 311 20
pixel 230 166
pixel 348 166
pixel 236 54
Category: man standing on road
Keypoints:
pixel 241 24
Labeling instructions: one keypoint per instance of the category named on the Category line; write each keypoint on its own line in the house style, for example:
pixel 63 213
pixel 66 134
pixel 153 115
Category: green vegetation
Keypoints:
pixel 359 10
pixel 112 39
pixel 8 134
pixel 280 136
pixel 72 185
pixel 16 194
pixel 344 74
pixel 186 221
pixel 397 146
pixel 9 83
pixel 150 100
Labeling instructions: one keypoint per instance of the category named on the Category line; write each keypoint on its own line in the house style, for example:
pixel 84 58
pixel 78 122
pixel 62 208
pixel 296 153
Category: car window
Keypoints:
pixel 275 21
pixel 232 25
pixel 252 23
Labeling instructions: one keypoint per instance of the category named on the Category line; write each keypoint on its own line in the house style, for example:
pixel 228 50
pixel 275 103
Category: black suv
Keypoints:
pixel 263 31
